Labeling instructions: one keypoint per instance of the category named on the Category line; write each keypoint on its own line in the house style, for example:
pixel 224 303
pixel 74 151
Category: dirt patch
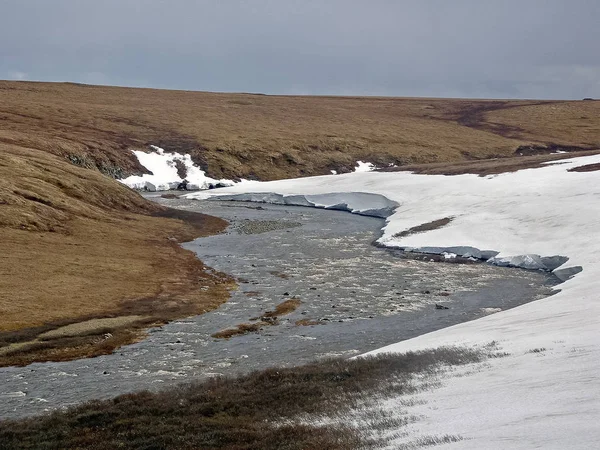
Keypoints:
pixel 586 168
pixel 170 196
pixel 94 326
pixel 181 169
pixel 286 307
pixel 429 226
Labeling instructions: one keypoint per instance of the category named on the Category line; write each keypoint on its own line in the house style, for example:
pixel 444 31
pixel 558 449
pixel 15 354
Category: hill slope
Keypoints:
pixel 272 137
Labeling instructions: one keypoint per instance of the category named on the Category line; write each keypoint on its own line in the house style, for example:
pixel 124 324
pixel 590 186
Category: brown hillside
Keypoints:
pixel 270 137
pixel 76 245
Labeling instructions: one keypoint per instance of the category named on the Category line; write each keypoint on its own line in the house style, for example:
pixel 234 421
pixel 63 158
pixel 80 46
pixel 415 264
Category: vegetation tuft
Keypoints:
pixel 263 410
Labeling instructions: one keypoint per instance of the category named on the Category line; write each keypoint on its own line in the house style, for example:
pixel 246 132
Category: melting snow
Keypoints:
pixel 546 392
pixel 364 167
pixel 163 166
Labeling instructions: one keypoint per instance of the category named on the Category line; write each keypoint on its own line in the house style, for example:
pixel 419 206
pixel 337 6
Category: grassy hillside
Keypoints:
pixel 77 247
pixel 270 137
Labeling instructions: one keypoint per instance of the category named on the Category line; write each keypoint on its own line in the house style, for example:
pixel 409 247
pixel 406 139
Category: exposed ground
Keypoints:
pixel 328 405
pixel 75 245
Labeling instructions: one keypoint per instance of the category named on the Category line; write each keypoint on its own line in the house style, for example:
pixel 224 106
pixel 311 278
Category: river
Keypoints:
pixel 358 296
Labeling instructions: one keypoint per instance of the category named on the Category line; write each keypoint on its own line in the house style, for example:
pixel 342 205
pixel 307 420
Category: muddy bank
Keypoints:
pixel 353 297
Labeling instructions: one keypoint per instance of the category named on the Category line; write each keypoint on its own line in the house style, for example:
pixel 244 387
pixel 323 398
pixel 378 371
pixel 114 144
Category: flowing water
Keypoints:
pixel 358 296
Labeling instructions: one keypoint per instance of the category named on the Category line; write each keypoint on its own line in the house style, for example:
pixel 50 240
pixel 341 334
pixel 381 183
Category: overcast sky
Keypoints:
pixel 546 49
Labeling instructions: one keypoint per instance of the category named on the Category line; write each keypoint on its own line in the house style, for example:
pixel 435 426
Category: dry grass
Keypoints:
pixel 269 318
pixel 433 225
pixel 286 307
pixel 75 245
pixel 270 137
pixel 240 330
pixel 490 166
pixel 263 410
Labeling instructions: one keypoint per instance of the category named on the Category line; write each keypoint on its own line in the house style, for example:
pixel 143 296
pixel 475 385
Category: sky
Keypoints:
pixel 546 49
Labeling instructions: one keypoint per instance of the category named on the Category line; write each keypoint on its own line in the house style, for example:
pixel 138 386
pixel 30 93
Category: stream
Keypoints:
pixel 357 297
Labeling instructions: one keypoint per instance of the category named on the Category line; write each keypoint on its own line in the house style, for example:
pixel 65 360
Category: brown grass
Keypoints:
pixel 240 330
pixel 75 245
pixel 263 410
pixel 270 137
pixel 286 307
pixel 433 225
pixel 269 318
pixel 586 168
pixel 490 166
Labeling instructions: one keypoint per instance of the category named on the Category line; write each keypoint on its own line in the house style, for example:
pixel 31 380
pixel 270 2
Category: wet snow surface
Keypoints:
pixel 546 392
pixel 364 297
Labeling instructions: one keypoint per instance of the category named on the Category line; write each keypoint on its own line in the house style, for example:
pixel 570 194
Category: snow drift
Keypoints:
pixel 165 174
pixel 546 392
pixel 355 202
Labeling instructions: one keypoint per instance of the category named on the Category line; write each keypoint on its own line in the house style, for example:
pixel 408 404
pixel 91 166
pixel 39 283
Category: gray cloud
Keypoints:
pixel 460 48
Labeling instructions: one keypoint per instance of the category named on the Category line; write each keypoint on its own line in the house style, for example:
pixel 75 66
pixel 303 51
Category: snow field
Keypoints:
pixel 546 392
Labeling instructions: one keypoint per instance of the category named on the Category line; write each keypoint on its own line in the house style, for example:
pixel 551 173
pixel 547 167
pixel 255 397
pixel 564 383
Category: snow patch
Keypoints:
pixel 164 175
pixel 364 167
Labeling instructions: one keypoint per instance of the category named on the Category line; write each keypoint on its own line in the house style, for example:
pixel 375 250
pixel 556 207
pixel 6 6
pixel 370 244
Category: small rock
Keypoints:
pixel 437 306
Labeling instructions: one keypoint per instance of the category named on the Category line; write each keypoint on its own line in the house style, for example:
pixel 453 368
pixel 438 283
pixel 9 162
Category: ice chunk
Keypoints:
pixel 533 262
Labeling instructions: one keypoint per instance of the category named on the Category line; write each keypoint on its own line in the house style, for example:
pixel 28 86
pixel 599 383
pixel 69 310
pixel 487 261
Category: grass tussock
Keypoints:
pixel 286 307
pixel 269 318
pixel 240 330
pixel 586 168
pixel 429 226
pixel 262 410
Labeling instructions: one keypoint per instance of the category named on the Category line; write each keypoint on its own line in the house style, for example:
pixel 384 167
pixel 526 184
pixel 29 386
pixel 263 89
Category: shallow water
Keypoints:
pixel 364 298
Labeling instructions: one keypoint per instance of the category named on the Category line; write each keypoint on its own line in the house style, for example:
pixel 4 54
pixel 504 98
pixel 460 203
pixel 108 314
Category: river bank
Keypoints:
pixel 356 296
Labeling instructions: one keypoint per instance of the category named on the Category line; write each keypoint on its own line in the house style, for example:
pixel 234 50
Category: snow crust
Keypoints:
pixel 355 202
pixel 546 392
pixel 164 175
